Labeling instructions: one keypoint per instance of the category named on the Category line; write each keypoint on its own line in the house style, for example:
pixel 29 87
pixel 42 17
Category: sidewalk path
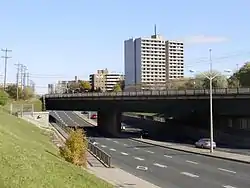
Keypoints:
pixel 216 154
pixel 120 178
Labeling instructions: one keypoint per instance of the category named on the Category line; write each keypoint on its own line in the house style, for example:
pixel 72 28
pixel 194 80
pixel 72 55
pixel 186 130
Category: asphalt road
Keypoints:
pixel 169 168
pixel 69 118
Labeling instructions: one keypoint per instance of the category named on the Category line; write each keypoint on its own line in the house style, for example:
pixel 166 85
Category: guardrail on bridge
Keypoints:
pixel 171 92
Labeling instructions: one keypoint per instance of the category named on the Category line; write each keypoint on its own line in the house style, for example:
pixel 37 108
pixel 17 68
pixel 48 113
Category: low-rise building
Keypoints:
pixel 104 80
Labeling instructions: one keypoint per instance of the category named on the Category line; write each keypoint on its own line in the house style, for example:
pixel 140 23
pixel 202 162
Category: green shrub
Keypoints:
pixel 75 148
pixel 3 97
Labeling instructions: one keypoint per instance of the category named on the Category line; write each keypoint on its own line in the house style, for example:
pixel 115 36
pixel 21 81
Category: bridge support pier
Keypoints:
pixel 109 122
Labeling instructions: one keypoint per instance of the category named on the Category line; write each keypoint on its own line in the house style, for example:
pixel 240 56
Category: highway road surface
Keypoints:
pixel 69 118
pixel 169 168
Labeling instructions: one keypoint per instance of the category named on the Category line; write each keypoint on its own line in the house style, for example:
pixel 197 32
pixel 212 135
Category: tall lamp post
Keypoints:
pixel 211 77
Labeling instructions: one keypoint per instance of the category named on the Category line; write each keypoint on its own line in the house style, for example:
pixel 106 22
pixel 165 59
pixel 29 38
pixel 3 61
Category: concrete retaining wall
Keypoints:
pixel 40 119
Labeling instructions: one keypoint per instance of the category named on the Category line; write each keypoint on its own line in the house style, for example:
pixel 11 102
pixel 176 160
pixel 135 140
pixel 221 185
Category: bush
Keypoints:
pixel 3 97
pixel 75 149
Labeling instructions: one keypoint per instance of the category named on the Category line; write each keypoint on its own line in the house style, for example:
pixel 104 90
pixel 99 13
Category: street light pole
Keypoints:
pixel 211 77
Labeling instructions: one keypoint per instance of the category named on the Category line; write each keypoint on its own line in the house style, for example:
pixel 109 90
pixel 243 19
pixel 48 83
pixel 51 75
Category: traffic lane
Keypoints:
pixel 79 121
pixel 168 174
pixel 219 147
pixel 63 116
pixel 130 166
pixel 180 155
pixel 205 172
pixel 60 117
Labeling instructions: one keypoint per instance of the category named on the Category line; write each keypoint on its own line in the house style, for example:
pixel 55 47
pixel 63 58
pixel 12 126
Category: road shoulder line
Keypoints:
pixel 194 152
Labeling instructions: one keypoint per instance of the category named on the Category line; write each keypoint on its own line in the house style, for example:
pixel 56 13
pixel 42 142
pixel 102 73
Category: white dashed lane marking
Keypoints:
pixel 108 139
pixel 160 165
pixel 103 146
pixel 115 141
pixel 149 151
pixel 225 170
pixel 190 174
pixel 138 158
pixel 228 186
pixel 125 144
pixel 123 153
pixel 168 156
pixel 192 162
pixel 136 148
pixel 112 149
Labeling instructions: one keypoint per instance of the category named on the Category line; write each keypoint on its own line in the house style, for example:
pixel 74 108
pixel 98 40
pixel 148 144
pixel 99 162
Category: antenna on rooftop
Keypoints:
pixel 155 30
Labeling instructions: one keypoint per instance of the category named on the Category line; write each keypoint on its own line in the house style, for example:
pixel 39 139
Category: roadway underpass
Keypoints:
pixel 166 167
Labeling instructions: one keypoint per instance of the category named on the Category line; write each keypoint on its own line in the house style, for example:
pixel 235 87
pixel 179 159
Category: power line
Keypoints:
pixel 6 57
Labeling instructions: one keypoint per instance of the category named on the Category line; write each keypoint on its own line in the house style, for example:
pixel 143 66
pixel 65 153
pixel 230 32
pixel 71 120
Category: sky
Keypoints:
pixel 58 40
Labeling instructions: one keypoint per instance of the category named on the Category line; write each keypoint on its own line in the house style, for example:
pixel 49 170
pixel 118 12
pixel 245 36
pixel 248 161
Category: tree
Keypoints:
pixel 117 88
pixel 12 91
pixel 75 148
pixel 3 97
pixel 85 85
pixel 74 86
pixel 122 84
pixel 27 93
pixel 220 81
pixel 242 77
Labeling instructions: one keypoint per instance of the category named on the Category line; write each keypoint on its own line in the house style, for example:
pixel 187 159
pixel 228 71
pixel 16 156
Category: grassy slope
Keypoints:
pixel 16 105
pixel 28 159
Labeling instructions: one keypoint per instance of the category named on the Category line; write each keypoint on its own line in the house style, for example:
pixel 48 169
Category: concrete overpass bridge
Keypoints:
pixel 227 102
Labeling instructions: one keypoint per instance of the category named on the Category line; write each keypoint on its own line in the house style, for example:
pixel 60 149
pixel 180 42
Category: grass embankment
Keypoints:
pixel 26 105
pixel 28 159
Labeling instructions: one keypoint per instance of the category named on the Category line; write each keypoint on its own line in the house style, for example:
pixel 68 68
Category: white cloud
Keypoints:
pixel 198 39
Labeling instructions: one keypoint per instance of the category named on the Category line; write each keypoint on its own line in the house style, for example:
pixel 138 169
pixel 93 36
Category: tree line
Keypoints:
pixel 84 86
pixel 11 93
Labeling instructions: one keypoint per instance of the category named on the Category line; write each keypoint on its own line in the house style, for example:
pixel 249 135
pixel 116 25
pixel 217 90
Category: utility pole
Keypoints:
pixel 24 76
pixel 28 79
pixel 17 80
pixel 21 73
pixel 5 57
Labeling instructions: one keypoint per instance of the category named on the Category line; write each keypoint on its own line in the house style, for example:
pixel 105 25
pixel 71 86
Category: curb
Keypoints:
pixel 193 152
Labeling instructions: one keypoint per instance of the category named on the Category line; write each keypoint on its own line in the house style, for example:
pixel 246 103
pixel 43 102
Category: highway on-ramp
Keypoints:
pixel 169 168
pixel 69 118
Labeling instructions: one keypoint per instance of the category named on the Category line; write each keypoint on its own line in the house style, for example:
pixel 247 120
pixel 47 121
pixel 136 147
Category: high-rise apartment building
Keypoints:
pixel 152 61
pixel 104 80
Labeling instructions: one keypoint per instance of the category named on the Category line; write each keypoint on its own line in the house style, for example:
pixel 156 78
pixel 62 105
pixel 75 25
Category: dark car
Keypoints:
pixel 144 134
pixel 84 112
